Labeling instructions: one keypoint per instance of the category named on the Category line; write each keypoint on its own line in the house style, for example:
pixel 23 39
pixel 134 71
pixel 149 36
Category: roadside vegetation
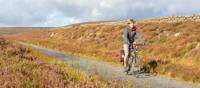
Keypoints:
pixel 22 67
pixel 174 46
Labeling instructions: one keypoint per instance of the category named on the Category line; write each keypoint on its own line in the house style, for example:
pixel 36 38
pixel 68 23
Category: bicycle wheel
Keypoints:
pixel 130 62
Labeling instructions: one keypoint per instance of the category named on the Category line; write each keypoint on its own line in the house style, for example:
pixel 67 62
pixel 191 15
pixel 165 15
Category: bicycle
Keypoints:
pixel 133 58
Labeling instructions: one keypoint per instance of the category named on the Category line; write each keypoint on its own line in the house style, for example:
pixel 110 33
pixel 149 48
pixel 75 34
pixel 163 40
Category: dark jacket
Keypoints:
pixel 129 35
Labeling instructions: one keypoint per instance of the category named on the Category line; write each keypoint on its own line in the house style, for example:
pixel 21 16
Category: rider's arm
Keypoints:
pixel 126 40
pixel 139 36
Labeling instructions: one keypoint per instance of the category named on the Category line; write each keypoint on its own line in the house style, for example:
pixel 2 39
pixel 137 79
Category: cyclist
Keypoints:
pixel 130 33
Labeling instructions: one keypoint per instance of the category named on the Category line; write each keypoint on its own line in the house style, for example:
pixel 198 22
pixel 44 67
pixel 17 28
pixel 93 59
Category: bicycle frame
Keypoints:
pixel 133 58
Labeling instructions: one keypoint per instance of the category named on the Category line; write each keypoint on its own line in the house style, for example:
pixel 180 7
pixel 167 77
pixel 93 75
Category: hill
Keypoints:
pixel 22 67
pixel 175 46
pixel 14 30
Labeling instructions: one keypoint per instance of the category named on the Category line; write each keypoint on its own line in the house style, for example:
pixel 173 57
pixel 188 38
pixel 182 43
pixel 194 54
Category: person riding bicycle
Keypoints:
pixel 129 35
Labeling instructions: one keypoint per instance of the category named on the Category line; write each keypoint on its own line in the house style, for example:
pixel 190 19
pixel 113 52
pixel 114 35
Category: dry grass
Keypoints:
pixel 21 67
pixel 172 45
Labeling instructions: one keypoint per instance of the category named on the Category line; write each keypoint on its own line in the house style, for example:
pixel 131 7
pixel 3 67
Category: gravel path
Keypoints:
pixel 116 72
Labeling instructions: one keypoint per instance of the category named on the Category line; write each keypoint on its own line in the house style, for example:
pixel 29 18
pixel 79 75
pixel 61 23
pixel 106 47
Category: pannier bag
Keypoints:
pixel 120 56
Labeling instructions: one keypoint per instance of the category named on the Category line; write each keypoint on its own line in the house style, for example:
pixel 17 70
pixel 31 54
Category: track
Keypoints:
pixel 108 70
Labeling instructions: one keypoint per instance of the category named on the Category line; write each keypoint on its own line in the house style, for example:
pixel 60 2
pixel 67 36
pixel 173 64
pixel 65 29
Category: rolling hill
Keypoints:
pixel 174 45
pixel 24 67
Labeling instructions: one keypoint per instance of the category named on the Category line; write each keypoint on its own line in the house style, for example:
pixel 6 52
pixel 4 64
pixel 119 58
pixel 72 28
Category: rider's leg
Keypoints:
pixel 125 59
pixel 126 52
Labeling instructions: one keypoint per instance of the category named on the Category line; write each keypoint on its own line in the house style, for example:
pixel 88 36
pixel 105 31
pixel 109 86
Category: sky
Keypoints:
pixel 53 13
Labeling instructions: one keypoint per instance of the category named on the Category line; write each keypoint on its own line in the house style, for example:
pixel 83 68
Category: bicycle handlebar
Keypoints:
pixel 138 44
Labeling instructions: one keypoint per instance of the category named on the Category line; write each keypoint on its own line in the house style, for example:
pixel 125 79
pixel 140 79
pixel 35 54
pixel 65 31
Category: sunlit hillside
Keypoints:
pixel 22 67
pixel 174 45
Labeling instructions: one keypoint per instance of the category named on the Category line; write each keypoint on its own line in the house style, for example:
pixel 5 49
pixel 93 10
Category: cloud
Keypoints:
pixel 105 4
pixel 63 12
pixel 96 12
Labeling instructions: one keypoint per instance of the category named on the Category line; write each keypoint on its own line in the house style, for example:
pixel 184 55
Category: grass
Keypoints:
pixel 78 75
pixel 102 41
pixel 22 67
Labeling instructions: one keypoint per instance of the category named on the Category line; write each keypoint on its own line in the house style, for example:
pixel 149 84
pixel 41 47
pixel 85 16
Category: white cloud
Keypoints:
pixel 105 4
pixel 62 12
pixel 96 12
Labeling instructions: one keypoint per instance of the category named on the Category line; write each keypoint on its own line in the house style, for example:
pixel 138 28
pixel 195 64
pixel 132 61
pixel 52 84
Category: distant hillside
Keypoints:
pixel 13 30
pixel 174 45
pixel 172 19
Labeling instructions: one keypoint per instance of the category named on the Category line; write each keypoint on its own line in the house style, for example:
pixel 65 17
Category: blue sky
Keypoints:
pixel 63 12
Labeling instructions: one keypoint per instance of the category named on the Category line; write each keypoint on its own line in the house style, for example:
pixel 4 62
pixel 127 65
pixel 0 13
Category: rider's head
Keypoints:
pixel 131 23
